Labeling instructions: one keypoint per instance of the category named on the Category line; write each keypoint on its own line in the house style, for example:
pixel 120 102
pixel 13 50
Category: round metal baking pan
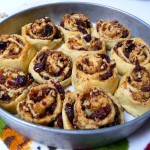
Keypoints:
pixel 76 139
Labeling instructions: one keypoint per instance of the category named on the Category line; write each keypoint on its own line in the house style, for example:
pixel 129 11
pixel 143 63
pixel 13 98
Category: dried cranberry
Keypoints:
pixel 5 97
pixel 2 79
pixel 87 38
pixel 117 45
pixel 129 79
pixel 69 73
pixel 145 89
pixel 82 30
pixel 51 109
pixel 11 83
pixel 137 68
pixel 42 56
pixel 125 33
pixel 3 45
pixel 87 62
pixel 100 114
pixel 112 65
pixel 59 88
pixel 80 67
pixel 103 56
pixel 62 24
pixel 57 35
pixel 98 46
pixel 59 121
pixel 69 111
pixel 47 30
pixel 79 22
pixel 117 116
pixel 88 24
pixel 21 80
pixel 46 90
pixel 138 80
pixel 38 67
pixel 129 49
pixel 128 42
pixel 106 75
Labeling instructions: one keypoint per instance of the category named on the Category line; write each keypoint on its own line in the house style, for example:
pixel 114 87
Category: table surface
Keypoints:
pixel 139 8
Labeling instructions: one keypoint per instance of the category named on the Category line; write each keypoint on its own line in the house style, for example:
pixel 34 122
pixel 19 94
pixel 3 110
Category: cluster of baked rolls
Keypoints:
pixel 37 67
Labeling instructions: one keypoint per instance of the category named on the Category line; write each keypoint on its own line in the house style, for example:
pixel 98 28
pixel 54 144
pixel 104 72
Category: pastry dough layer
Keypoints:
pixel 130 52
pixel 95 70
pixel 14 86
pixel 83 45
pixel 43 104
pixel 15 52
pixel 50 65
pixel 134 91
pixel 75 24
pixel 41 33
pixel 111 31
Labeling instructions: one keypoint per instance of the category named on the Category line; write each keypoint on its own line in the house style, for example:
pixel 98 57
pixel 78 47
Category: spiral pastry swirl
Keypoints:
pixel 130 52
pixel 135 86
pixel 50 65
pixel 14 86
pixel 95 70
pixel 111 31
pixel 15 52
pixel 74 24
pixel 43 104
pixel 94 108
pixel 42 32
pixel 83 45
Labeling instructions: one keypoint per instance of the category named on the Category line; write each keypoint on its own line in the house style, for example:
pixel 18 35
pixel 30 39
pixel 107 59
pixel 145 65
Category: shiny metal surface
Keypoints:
pixel 77 138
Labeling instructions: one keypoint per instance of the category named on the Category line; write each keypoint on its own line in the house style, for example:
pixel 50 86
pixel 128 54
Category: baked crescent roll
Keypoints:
pixel 41 33
pixel 133 92
pixel 52 65
pixel 95 70
pixel 14 86
pixel 130 52
pixel 15 52
pixel 111 31
pixel 75 24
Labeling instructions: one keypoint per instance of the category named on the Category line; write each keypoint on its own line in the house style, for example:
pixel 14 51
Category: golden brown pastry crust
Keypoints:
pixel 130 52
pixel 50 65
pixel 111 31
pixel 15 52
pixel 83 45
pixel 14 86
pixel 68 110
pixel 41 33
pixel 86 109
pixel 94 108
pixel 43 104
pixel 95 70
pixel 134 91
pixel 75 24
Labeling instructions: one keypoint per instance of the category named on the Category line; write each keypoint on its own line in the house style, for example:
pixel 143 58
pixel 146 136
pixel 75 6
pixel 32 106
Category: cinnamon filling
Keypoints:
pixel 53 64
pixel 111 29
pixel 132 51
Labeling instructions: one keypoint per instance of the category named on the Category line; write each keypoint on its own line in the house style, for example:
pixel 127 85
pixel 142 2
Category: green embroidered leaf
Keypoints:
pixel 2 126
pixel 121 145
